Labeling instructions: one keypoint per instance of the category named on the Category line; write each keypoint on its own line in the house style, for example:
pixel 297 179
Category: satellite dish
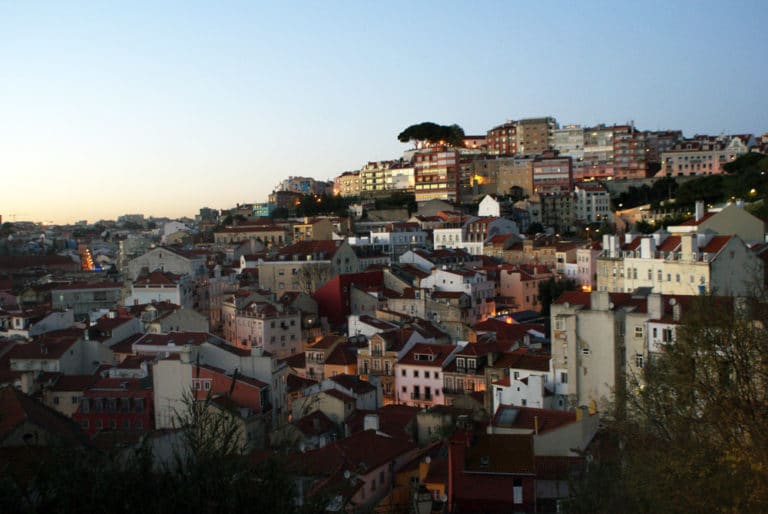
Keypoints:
pixel 443 497
pixel 672 301
pixel 347 474
pixel 428 459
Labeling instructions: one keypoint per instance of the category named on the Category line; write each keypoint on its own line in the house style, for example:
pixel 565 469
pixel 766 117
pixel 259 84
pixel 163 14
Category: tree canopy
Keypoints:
pixel 430 132
pixel 689 434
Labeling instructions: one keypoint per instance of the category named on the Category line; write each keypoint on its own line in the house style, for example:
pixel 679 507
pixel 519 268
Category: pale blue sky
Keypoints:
pixel 109 108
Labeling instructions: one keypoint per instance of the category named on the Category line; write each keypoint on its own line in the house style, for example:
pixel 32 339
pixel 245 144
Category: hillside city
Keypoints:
pixel 461 328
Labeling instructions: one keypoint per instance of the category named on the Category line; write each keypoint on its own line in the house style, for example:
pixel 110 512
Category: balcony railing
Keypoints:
pixel 457 390
pixel 468 371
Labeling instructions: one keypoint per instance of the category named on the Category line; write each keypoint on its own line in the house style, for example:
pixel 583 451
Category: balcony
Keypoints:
pixel 457 391
pixel 421 397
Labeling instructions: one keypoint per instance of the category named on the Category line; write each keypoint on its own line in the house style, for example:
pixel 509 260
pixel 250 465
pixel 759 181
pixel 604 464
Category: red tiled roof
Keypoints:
pixel 530 361
pixel 353 383
pixel 49 346
pixel 670 244
pixel 694 222
pixel 158 278
pixel 439 353
pixel 74 382
pixel 295 383
pixel 393 420
pixel 297 361
pixel 508 416
pixel 126 345
pixel 354 454
pixel 326 342
pixel 18 408
pixel 342 355
pixel 500 453
pixel 716 244
pixel 316 423
pixel 574 298
pixel 341 396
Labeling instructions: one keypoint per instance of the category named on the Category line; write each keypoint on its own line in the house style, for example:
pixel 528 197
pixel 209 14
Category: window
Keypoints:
pixel 563 377
pixel 415 373
pixel 638 331
pixel 55 400
pixel 207 386
pixel 517 491
pixel 402 372
pixel 585 351
pixel 639 360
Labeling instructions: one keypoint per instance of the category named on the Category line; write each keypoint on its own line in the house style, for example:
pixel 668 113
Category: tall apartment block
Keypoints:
pixel 436 174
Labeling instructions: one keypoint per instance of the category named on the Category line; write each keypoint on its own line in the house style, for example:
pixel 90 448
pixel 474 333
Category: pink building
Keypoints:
pixel 419 374
pixel 519 285
pixel 245 391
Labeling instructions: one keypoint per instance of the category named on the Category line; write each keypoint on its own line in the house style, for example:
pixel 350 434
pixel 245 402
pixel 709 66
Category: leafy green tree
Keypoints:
pixel 690 432
pixel 535 228
pixel 429 132
pixel 551 289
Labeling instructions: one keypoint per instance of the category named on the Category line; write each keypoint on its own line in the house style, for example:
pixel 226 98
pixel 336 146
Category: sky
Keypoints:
pixel 161 108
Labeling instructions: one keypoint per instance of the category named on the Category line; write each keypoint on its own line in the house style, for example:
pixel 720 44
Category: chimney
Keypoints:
pixel 699 210
pixel 647 248
pixel 600 300
pixel 676 312
pixel 371 422
pixel 654 306
pixel 688 246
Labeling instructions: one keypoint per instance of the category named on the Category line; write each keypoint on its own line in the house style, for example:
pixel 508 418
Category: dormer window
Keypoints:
pixel 460 362
pixel 471 363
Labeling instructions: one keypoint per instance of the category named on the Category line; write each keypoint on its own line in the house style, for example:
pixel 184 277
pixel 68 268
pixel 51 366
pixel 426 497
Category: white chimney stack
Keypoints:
pixel 699 210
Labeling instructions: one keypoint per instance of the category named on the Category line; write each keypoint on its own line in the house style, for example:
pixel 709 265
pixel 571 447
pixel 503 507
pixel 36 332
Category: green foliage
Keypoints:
pixel 646 227
pixel 550 290
pixel 535 228
pixel 322 205
pixel 661 189
pixel 427 131
pixel 397 200
pixel 210 476
pixel 746 178
pixel 709 188
pixel 691 434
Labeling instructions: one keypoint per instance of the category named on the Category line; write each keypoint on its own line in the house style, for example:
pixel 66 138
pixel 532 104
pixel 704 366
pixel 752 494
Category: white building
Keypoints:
pixel 489 206
pixel 592 203
pixel 689 264
pixel 473 283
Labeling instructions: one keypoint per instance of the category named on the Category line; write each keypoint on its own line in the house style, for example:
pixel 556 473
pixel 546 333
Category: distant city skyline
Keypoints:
pixel 163 109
